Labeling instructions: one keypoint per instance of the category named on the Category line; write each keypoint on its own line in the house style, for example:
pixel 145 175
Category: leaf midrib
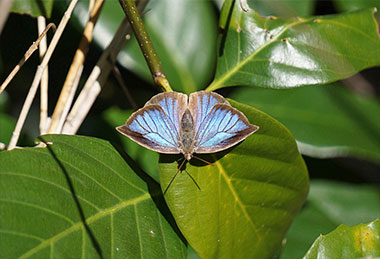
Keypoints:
pixel 89 220
pixel 215 84
pixel 237 198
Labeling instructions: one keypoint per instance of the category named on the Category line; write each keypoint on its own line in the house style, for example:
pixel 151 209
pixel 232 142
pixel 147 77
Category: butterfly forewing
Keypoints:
pixel 174 104
pixel 152 128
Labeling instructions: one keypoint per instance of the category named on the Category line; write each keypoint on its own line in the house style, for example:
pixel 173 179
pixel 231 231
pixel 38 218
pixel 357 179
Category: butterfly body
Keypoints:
pixel 187 135
pixel 172 123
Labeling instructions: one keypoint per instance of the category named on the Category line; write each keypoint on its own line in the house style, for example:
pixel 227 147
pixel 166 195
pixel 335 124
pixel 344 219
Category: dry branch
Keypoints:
pixel 26 56
pixel 38 75
pixel 74 71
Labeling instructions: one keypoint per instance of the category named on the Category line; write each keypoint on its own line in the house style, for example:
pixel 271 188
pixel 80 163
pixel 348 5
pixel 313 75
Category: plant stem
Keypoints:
pixel 145 43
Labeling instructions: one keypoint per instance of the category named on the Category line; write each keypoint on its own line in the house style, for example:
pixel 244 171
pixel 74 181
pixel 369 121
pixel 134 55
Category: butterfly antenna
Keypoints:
pixel 199 188
pixel 167 187
pixel 204 161
pixel 179 168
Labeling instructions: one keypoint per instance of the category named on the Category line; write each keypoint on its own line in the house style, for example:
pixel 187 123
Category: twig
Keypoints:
pixel 5 6
pixel 145 44
pixel 98 77
pixel 119 79
pixel 41 24
pixel 95 81
pixel 26 56
pixel 74 68
pixel 38 75
pixel 70 100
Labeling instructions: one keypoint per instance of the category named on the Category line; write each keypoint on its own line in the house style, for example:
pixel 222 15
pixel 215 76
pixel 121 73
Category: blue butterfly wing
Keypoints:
pixel 174 105
pixel 222 127
pixel 200 105
pixel 156 125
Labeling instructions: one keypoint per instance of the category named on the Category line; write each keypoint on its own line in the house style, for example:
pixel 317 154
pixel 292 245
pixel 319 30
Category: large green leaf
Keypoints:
pixel 282 8
pixel 33 7
pixel 246 201
pixel 350 5
pixel 79 198
pixel 348 242
pixel 183 34
pixel 327 121
pixel 328 205
pixel 275 53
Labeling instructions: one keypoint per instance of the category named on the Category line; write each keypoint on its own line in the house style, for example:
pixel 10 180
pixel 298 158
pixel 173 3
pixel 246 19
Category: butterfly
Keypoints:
pixel 172 123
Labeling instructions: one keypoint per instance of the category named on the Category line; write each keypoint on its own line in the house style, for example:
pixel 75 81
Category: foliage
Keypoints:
pixel 102 195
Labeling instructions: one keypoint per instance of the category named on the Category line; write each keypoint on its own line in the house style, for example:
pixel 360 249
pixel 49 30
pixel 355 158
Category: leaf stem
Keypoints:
pixel 145 43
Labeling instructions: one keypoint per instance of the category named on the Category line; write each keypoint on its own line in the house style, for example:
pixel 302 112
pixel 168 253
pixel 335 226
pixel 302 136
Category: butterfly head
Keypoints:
pixel 188 156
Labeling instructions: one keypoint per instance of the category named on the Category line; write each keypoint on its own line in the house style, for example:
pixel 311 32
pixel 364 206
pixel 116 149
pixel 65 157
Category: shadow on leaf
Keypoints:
pixel 93 239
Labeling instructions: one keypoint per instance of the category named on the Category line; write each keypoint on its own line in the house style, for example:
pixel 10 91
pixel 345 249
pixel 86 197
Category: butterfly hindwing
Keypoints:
pixel 151 127
pixel 223 127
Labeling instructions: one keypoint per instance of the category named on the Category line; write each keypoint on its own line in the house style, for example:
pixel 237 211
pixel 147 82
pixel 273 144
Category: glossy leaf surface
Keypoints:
pixel 184 35
pixel 275 53
pixel 361 241
pixel 350 5
pixel 328 205
pixel 242 206
pixel 283 8
pixel 33 7
pixel 323 119
pixel 78 198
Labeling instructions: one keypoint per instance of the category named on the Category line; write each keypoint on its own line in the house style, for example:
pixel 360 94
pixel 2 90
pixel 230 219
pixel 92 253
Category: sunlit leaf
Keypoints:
pixel 361 241
pixel 242 206
pixel 78 198
pixel 275 53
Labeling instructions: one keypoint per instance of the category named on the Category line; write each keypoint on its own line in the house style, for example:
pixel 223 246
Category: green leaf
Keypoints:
pixel 348 242
pixel 183 34
pixel 79 198
pixel 283 8
pixel 350 5
pixel 323 119
pixel 145 158
pixel 33 7
pixel 276 53
pixel 246 201
pixel 7 125
pixel 328 205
